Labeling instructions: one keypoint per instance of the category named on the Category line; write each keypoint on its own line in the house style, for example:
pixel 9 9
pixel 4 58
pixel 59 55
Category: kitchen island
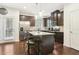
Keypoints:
pixel 59 35
pixel 37 33
pixel 44 41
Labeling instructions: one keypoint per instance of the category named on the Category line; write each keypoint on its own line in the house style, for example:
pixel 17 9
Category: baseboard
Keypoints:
pixel 8 41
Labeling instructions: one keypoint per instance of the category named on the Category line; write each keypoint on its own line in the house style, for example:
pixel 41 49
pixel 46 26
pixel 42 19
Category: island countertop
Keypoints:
pixel 36 33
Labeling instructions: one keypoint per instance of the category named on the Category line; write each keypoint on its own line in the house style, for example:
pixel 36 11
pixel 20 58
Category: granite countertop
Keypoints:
pixel 51 31
pixel 36 33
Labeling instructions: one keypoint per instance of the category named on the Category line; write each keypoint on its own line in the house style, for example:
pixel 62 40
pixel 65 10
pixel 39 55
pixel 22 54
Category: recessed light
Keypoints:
pixel 24 7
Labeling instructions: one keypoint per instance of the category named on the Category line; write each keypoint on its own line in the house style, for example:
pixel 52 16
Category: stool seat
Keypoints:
pixel 31 47
pixel 30 42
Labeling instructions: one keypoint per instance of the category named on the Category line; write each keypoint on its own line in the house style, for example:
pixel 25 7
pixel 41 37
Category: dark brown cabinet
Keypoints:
pixel 45 22
pixel 28 18
pixel 59 36
pixel 58 17
pixel 32 21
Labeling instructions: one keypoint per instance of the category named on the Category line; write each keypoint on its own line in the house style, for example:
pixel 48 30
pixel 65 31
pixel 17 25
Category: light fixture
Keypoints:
pixel 24 7
pixel 40 13
pixel 59 14
pixel 38 8
pixel 3 11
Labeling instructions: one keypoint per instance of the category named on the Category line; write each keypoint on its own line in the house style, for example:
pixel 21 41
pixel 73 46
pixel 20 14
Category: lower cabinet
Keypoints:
pixel 59 37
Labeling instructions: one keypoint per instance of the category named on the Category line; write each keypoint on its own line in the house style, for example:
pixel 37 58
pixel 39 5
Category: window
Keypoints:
pixel 9 27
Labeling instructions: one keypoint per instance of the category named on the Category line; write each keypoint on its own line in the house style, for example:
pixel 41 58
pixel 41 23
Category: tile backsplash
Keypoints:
pixel 61 28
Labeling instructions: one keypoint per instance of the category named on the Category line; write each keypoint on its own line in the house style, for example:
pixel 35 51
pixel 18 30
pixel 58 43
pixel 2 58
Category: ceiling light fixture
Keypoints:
pixel 3 11
pixel 24 7
pixel 40 12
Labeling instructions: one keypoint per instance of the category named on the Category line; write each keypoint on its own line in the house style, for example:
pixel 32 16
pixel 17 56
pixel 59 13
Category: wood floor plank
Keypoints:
pixel 20 48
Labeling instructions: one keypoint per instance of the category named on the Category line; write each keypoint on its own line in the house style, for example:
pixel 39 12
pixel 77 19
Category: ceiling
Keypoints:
pixel 35 8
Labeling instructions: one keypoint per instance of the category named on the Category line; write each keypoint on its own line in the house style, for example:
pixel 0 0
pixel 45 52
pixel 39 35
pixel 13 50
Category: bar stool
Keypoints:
pixel 31 46
pixel 37 40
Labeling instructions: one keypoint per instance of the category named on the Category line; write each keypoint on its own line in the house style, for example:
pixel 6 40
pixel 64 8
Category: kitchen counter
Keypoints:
pixel 50 31
pixel 36 33
pixel 61 29
pixel 44 41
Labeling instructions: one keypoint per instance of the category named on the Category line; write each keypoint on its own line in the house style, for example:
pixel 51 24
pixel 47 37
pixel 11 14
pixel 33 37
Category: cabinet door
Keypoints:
pixel 74 29
pixel 45 22
pixel 32 21
pixel 25 18
pixel 60 18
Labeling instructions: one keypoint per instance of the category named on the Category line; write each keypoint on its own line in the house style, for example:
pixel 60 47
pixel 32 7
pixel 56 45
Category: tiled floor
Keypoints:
pixel 18 48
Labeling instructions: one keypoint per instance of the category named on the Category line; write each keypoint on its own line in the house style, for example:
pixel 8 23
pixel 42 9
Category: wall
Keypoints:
pixel 71 33
pixel 14 14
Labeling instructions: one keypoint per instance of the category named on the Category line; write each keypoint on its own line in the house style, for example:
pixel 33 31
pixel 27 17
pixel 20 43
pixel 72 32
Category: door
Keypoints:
pixel 8 28
pixel 74 29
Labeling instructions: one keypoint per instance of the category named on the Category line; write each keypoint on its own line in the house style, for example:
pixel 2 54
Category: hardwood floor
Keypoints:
pixel 59 49
pixel 18 48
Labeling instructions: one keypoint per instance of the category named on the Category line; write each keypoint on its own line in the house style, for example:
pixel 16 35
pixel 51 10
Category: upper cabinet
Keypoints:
pixel 28 18
pixel 60 18
pixel 45 22
pixel 57 16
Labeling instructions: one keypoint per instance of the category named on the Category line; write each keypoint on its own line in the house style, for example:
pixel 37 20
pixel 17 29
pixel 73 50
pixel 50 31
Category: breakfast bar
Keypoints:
pixel 44 41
